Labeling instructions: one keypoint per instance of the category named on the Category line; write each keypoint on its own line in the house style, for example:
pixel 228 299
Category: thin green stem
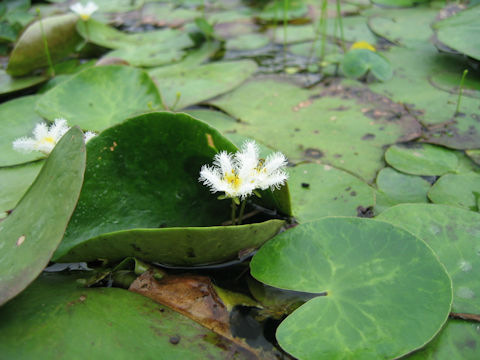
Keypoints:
pixel 323 27
pixel 286 5
pixel 242 210
pixel 234 211
pixel 275 23
pixel 340 23
pixel 45 44
pixel 460 92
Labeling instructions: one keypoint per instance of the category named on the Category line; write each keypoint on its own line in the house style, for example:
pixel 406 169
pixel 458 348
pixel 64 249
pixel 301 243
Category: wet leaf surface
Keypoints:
pixel 457 189
pixel 362 267
pixel 30 235
pixel 454 235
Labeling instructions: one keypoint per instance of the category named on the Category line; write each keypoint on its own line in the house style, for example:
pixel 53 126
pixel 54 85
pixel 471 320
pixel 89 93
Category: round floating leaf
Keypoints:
pixel 194 84
pixel 450 82
pixel 147 55
pixel 176 246
pixel 29 51
pixel 454 235
pixel 104 96
pixel 358 62
pixel 459 339
pixel 460 32
pixel 15 181
pixel 10 84
pixel 321 190
pixel 247 42
pixel 402 188
pixel 386 294
pixel 139 175
pixel 57 318
pixel 18 119
pixel 30 235
pixel 457 189
pixel 421 159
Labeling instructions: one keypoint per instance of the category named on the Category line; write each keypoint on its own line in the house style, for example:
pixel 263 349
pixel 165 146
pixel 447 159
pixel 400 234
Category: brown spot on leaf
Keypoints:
pixel 20 240
pixel 210 141
pixel 365 212
pixel 368 136
pixel 313 153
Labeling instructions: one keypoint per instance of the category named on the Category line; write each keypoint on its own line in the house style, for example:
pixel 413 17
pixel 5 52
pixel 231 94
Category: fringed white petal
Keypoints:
pixel 274 162
pixel 223 160
pixel 40 131
pixel 58 129
pixel 24 145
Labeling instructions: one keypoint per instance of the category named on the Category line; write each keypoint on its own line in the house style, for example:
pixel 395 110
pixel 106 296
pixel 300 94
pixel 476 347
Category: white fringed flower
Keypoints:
pixel 45 138
pixel 84 11
pixel 240 174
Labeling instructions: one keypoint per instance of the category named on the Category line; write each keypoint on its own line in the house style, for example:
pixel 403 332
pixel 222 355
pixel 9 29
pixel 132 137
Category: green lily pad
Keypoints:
pixel 454 235
pixel 459 32
pixel 421 159
pixel 30 235
pixel 321 190
pixel 17 118
pixel 15 181
pixel 74 320
pixel 399 3
pixel 459 339
pixel 175 246
pixel 340 125
pixel 29 51
pixel 402 188
pixel 200 83
pixel 147 55
pixel 275 11
pixel 157 175
pixel 457 189
pixel 104 96
pixel 9 84
pixel 474 154
pixel 450 82
pixel 357 62
pixel 247 42
pixel 385 292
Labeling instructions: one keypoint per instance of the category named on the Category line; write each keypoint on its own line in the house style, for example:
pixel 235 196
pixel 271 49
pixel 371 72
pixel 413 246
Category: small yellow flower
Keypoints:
pixel 363 45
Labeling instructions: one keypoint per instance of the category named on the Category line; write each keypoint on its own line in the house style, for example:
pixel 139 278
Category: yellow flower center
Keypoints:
pixel 84 17
pixel 48 139
pixel 233 179
pixel 363 45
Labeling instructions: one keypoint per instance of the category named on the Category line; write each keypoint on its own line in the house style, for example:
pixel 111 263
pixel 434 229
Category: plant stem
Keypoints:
pixel 234 211
pixel 323 27
pixel 340 23
pixel 285 18
pixel 460 92
pixel 242 210
pixel 45 44
pixel 275 21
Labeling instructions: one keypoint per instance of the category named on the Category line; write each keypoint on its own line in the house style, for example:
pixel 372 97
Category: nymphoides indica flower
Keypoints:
pixel 45 138
pixel 239 175
pixel 84 11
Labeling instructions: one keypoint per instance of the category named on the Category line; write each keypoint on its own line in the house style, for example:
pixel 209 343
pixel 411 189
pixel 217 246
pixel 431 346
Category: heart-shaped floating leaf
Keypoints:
pixel 422 159
pixel 321 190
pixel 176 246
pixel 57 318
pixel 200 83
pixel 144 174
pixel 457 189
pixel 9 84
pixel 30 235
pixel 15 181
pixel 454 235
pixel 104 96
pixel 17 119
pixel 386 293
pixel 357 62
pixel 29 52
pixel 459 339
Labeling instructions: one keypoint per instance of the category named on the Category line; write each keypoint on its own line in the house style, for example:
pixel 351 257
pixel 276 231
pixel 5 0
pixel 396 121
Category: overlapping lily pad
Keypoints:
pixel 17 118
pixel 460 31
pixel 454 235
pixel 321 190
pixel 422 159
pixel 30 235
pixel 342 125
pixel 9 84
pixel 15 181
pixel 182 85
pixel 73 320
pixel 357 62
pixel 385 293
pixel 457 189
pixel 29 51
pixel 139 175
pixel 104 96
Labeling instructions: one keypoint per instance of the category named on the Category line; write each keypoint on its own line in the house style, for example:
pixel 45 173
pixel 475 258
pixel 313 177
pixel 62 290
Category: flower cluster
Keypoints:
pixel 84 11
pixel 239 175
pixel 45 138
